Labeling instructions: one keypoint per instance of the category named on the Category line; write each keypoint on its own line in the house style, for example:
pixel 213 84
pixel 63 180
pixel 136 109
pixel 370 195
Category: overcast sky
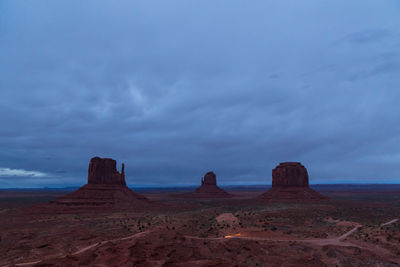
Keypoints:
pixel 177 88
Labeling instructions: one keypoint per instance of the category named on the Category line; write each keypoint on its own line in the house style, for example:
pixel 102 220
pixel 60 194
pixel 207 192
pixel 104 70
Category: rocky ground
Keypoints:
pixel 352 229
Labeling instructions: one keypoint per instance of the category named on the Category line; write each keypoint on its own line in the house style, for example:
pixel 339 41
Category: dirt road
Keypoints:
pixel 337 241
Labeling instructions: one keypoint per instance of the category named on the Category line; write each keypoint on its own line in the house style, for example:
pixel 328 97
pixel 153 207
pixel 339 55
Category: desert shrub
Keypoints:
pixel 389 237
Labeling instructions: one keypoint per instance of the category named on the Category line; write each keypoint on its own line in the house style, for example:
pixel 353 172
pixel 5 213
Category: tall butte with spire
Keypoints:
pixel 106 187
pixel 104 171
pixel 290 182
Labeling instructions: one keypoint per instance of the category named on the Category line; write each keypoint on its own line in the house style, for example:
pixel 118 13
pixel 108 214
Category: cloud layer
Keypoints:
pixel 178 88
pixel 18 172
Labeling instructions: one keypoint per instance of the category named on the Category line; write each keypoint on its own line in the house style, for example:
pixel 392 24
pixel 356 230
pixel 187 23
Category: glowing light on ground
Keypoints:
pixel 230 236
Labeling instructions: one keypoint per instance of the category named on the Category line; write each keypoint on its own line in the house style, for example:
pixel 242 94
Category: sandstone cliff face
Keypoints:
pixel 290 182
pixel 104 171
pixel 289 174
pixel 210 179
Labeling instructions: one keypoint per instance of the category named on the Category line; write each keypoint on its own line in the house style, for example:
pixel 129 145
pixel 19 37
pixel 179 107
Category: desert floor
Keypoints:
pixel 358 226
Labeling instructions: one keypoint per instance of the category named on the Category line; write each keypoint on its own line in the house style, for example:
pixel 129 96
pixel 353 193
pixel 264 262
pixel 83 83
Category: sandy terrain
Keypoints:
pixel 235 232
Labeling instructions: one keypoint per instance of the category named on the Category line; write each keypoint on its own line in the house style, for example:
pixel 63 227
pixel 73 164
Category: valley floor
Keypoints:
pixel 354 228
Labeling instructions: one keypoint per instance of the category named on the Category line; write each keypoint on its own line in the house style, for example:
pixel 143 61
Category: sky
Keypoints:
pixel 177 88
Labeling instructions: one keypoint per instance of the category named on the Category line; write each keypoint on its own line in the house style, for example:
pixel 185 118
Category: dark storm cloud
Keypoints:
pixel 368 36
pixel 177 88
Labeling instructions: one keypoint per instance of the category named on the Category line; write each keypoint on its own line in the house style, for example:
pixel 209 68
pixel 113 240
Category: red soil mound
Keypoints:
pixel 292 193
pixel 101 195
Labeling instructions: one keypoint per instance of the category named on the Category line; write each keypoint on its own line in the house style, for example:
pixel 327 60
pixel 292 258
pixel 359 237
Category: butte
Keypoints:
pixel 208 189
pixel 290 182
pixel 106 188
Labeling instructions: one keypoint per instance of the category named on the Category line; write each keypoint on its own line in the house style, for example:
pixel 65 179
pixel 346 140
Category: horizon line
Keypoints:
pixel 193 185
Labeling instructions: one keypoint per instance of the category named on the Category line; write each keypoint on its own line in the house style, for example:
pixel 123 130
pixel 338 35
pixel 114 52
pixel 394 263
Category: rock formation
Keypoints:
pixel 288 174
pixel 290 181
pixel 208 189
pixel 209 179
pixel 106 187
pixel 104 171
